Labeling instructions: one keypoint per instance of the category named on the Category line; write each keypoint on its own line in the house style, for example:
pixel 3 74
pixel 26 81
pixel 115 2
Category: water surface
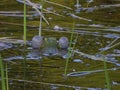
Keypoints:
pixel 97 26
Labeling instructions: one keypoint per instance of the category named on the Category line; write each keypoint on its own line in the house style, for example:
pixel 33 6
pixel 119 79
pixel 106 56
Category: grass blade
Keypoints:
pixel 2 74
pixel 25 29
pixel 107 75
pixel 40 25
pixel 69 51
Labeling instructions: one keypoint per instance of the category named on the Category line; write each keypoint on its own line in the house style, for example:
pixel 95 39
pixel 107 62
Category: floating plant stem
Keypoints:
pixel 48 84
pixel 25 29
pixel 112 42
pixel 2 74
pixel 74 44
pixel 69 51
pixel 37 7
pixel 113 46
pixel 37 10
pixel 53 13
pixel 24 41
pixel 107 75
pixel 58 4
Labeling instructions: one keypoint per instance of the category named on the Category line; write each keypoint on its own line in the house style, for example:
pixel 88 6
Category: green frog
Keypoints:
pixel 50 46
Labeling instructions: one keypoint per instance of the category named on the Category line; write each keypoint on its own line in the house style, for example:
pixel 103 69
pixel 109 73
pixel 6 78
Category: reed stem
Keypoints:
pixel 2 74
pixel 25 29
pixel 40 25
pixel 107 75
pixel 69 51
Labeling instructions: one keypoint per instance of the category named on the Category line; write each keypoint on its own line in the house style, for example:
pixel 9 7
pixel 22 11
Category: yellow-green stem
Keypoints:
pixel 25 29
pixel 69 51
pixel 2 74
pixel 107 75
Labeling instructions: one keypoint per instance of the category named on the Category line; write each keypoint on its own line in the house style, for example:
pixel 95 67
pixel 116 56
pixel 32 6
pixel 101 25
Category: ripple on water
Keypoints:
pixel 5 45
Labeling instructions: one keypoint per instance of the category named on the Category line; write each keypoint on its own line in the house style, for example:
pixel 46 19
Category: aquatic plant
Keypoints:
pixel 107 76
pixel 70 53
pixel 40 25
pixel 69 50
pixel 6 74
pixel 110 45
pixel 2 74
pixel 58 5
pixel 24 21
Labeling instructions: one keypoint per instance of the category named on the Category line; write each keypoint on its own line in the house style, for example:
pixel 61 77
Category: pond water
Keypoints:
pixel 96 38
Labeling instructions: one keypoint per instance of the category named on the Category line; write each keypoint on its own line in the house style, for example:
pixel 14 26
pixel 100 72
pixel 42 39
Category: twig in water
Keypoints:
pixel 58 4
pixel 34 6
pixel 93 57
pixel 53 13
pixel 44 83
pixel 38 6
pixel 109 46
pixel 75 16
pixel 112 42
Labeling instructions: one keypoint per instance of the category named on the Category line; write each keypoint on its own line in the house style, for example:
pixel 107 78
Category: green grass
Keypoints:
pixel 40 25
pixel 107 76
pixel 2 74
pixel 69 50
pixel 24 21
pixel 24 37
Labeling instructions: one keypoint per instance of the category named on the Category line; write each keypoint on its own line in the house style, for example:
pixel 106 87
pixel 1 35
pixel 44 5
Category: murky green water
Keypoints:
pixel 99 26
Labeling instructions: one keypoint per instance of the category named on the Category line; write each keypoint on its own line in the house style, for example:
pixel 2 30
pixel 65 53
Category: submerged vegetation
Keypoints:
pixel 35 56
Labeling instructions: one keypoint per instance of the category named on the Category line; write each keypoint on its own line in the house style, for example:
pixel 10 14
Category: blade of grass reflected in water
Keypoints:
pixel 24 66
pixel 7 85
